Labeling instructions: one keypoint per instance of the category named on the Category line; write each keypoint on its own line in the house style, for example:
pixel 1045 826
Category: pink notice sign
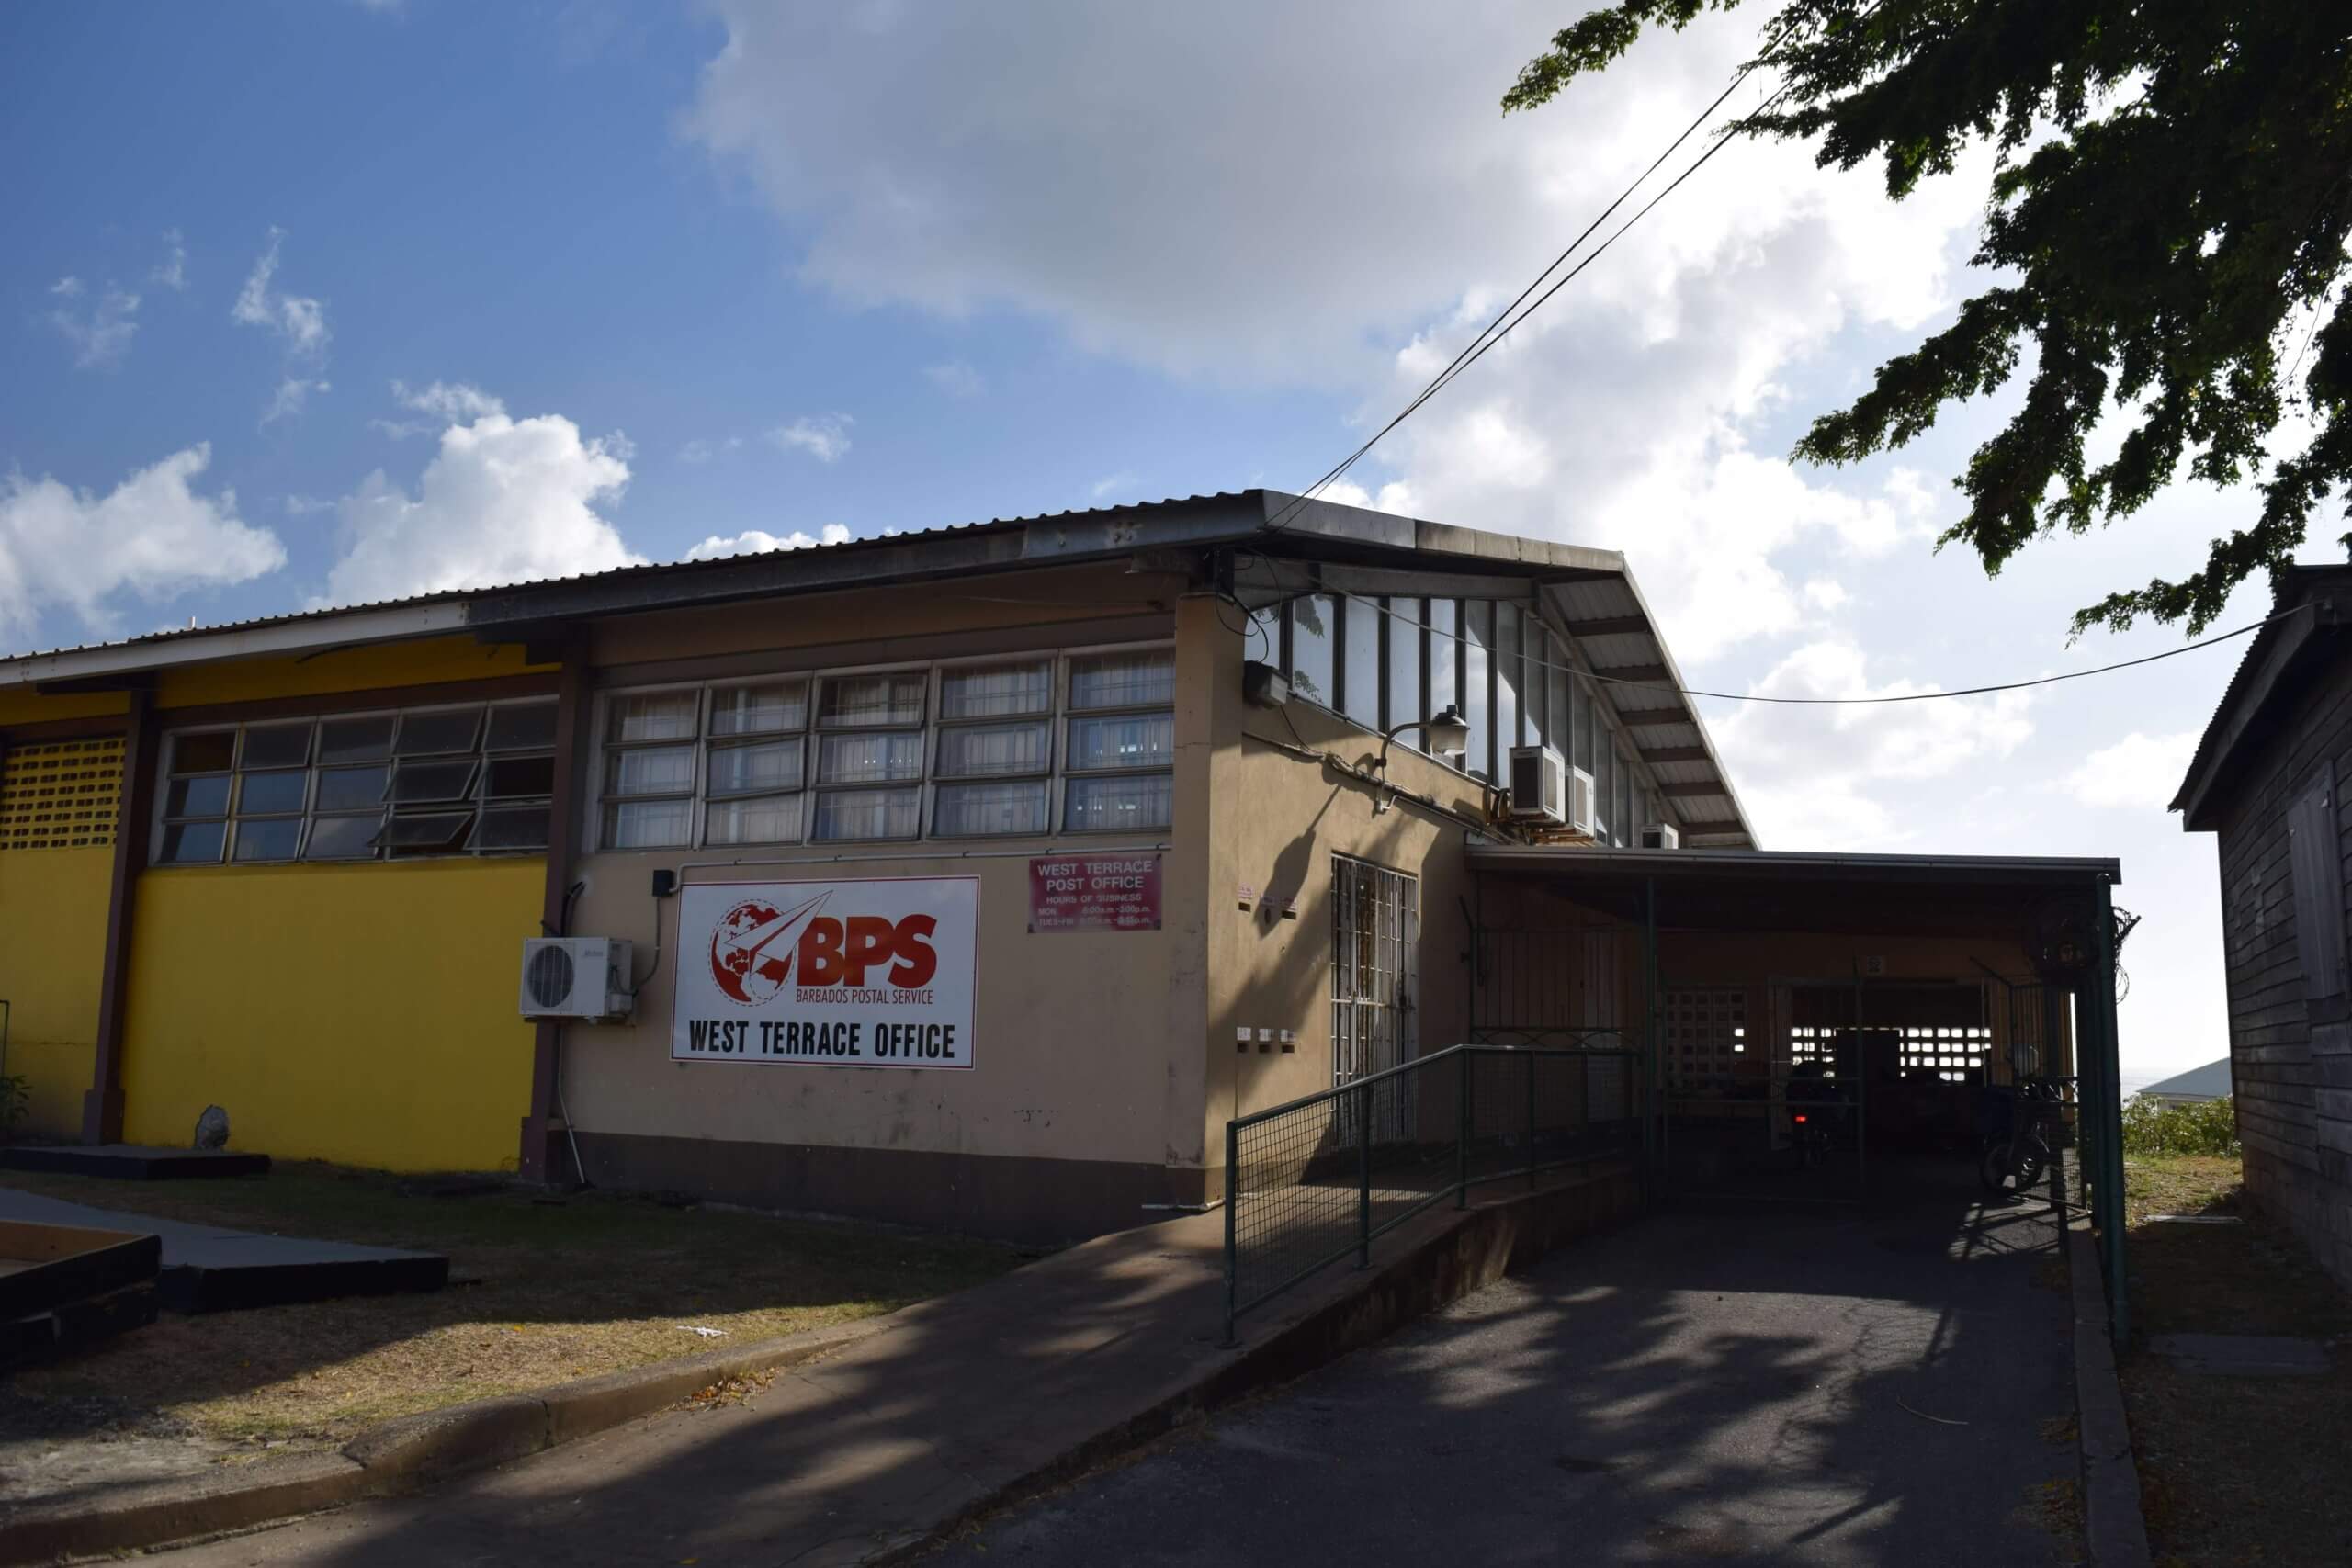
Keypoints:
pixel 1094 893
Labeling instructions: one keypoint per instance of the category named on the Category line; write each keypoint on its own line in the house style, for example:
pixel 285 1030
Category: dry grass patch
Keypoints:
pixel 542 1293
pixel 2232 1469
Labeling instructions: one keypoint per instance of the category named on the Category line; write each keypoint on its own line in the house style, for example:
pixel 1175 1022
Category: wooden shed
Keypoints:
pixel 2266 778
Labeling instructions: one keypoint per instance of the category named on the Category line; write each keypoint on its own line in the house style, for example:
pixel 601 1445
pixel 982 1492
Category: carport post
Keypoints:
pixel 2098 1001
pixel 1653 1107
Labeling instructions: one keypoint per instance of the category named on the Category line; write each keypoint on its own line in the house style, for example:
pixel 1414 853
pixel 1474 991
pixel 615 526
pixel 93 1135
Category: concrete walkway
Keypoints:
pixel 874 1447
pixel 1735 1382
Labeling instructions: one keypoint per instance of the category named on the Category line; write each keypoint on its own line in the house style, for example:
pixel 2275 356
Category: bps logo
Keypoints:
pixel 756 948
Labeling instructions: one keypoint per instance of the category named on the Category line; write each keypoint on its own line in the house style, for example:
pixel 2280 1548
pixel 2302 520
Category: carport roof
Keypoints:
pixel 1806 891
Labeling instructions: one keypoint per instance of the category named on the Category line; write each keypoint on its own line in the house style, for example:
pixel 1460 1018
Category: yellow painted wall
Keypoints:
pixel 364 1014
pixel 342 669
pixel 20 704
pixel 53 951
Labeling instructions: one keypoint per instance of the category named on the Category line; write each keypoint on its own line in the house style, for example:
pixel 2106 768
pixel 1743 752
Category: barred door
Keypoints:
pixel 1376 945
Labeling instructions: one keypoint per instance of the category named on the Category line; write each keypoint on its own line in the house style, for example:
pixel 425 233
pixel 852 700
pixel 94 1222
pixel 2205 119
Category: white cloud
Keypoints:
pixel 702 450
pixel 503 501
pixel 301 320
pixel 823 436
pixel 752 541
pixel 1839 776
pixel 1825 593
pixel 293 396
pixel 2139 772
pixel 300 505
pixel 1122 483
pixel 451 402
pixel 151 535
pixel 101 334
pixel 172 271
pixel 955 378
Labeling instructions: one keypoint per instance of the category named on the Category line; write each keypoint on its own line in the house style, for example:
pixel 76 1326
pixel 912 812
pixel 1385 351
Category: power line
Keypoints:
pixel 1504 323
pixel 1591 677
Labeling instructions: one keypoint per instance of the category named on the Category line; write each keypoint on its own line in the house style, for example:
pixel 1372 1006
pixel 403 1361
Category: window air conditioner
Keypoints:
pixel 1539 788
pixel 576 976
pixel 1661 835
pixel 1580 791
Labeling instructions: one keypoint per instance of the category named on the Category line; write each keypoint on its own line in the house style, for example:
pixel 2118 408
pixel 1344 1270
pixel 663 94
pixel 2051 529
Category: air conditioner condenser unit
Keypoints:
pixel 577 976
pixel 1539 785
pixel 1661 835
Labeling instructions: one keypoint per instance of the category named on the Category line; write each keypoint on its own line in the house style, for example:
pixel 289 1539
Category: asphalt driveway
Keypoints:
pixel 1724 1382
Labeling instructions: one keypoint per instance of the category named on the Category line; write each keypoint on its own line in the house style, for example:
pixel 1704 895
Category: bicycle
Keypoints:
pixel 2018 1163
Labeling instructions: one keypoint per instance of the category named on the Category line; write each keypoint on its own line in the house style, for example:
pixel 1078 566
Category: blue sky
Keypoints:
pixel 430 293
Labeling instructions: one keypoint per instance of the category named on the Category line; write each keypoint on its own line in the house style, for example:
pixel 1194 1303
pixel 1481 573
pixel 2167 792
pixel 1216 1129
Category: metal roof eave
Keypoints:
pixel 1765 865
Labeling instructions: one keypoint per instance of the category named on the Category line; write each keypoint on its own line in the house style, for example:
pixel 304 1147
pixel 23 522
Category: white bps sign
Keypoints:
pixel 863 974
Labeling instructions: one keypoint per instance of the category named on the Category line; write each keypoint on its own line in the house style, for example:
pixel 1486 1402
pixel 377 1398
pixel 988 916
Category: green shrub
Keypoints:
pixel 2151 1127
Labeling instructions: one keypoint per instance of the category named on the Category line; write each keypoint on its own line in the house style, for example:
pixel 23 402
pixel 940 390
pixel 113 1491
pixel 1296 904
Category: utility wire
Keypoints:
pixel 1589 676
pixel 1505 323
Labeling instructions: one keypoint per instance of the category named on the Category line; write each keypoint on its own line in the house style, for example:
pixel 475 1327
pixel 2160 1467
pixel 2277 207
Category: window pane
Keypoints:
pixel 1262 638
pixel 750 770
pixel 1580 721
pixel 1559 684
pixel 1508 682
pixel 990 749
pixel 659 769
pixel 522 726
pixel 191 843
pixel 1405 669
pixel 996 692
pixel 869 814
pixel 1140 680
pixel 1109 803
pixel 873 699
pixel 210 752
pixel 967 809
pixel 765 709
pixel 1602 783
pixel 356 740
pixel 350 789
pixel 275 746
pixel 437 832
pixel 275 838
pixel 1360 699
pixel 655 715
pixel 764 819
pixel 433 781
pixel 869 759
pixel 514 777
pixel 511 828
pixel 196 797
pixel 1310 648
pixel 1445 654
pixel 1476 649
pixel 342 838
pixel 1140 741
pixel 262 794
pixel 647 824
pixel 438 733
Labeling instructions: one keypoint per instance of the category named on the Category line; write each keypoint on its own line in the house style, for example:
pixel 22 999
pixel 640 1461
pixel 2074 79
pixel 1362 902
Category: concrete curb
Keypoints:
pixel 1459 1253
pixel 2116 1535
pixel 392 1456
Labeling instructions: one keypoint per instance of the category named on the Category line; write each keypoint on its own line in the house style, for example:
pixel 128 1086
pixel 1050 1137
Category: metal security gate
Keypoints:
pixel 1376 979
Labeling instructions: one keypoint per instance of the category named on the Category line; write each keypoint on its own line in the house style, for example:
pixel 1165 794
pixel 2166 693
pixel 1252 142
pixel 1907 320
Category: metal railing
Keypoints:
pixel 1315 1180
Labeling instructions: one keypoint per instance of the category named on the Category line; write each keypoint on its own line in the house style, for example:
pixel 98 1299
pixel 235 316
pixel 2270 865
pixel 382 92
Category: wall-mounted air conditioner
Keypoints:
pixel 1580 791
pixel 1539 785
pixel 1661 835
pixel 576 976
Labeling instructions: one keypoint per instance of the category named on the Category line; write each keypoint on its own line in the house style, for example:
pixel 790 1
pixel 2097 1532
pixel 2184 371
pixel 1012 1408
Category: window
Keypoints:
pixel 471 779
pixel 1405 700
pixel 1122 742
pixel 1478 651
pixel 1508 683
pixel 1446 660
pixel 1558 683
pixel 1360 661
pixel 959 750
pixel 1311 650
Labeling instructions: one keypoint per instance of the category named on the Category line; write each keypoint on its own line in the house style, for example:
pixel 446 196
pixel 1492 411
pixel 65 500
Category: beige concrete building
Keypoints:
pixel 978 876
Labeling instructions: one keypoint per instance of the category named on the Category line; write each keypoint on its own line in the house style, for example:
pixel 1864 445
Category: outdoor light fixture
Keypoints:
pixel 1447 730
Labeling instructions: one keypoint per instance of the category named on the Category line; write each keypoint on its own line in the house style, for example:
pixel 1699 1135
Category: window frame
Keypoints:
pixel 476 801
pixel 930 784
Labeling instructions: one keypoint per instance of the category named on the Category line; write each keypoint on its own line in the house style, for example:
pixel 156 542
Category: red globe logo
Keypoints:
pixel 751 948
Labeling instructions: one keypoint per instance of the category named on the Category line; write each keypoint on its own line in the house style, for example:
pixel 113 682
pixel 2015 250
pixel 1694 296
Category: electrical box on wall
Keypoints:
pixel 576 976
